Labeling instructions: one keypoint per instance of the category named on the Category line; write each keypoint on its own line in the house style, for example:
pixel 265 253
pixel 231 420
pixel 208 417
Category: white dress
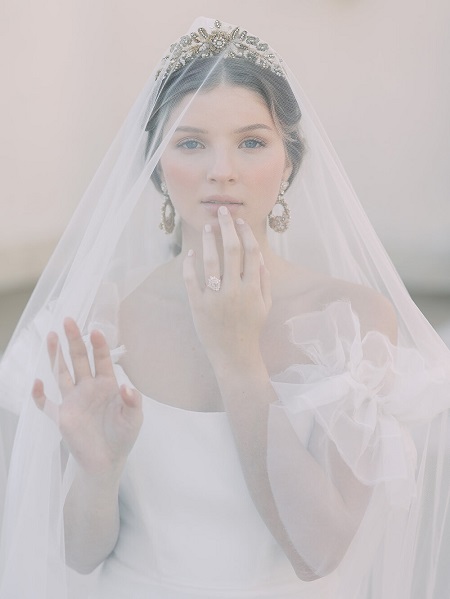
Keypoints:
pixel 189 528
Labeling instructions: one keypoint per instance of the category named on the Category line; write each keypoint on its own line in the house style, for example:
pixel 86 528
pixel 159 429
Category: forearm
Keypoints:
pixel 229 325
pixel 91 520
pixel 323 523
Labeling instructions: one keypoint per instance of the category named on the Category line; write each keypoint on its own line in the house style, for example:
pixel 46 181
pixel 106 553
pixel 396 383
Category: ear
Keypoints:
pixel 287 169
pixel 159 172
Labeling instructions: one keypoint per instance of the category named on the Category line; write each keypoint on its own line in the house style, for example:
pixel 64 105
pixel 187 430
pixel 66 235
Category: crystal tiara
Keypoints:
pixel 232 42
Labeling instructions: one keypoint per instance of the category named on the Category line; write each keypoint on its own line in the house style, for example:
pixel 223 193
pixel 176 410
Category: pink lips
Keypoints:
pixel 222 201
pixel 213 203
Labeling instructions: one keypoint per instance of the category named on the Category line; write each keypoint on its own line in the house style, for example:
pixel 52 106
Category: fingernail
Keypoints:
pixel 239 221
pixel 261 258
pixel 208 228
pixel 190 253
pixel 128 392
pixel 223 210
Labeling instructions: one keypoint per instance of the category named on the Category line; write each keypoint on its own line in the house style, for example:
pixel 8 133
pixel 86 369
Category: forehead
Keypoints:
pixel 226 105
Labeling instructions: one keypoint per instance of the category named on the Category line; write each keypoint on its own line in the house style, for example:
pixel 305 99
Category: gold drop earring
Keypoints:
pixel 280 222
pixel 167 223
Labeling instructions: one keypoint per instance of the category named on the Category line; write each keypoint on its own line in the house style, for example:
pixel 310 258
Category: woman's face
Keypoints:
pixel 226 150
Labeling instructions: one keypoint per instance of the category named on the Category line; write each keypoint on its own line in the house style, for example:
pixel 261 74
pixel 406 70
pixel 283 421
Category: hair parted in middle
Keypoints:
pixel 204 74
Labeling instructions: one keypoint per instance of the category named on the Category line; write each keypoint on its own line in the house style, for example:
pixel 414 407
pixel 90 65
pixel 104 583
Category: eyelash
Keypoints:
pixel 184 142
pixel 259 143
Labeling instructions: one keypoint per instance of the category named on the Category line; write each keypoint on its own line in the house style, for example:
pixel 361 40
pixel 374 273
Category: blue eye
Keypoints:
pixel 252 143
pixel 190 144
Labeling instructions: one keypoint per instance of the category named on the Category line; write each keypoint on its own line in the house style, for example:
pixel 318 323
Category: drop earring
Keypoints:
pixel 280 222
pixel 167 223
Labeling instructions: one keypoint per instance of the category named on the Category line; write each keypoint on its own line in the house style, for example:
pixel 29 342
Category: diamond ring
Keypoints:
pixel 213 283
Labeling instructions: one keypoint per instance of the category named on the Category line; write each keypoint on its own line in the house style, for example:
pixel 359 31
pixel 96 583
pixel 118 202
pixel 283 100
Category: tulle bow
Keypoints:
pixel 362 391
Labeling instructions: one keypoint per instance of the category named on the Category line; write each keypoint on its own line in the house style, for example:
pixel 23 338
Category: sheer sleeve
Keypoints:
pixel 352 406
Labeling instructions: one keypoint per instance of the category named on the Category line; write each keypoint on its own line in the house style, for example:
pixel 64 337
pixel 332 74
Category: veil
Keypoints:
pixel 383 407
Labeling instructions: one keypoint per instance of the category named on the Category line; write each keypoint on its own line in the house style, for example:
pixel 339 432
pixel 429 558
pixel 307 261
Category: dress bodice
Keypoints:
pixel 189 527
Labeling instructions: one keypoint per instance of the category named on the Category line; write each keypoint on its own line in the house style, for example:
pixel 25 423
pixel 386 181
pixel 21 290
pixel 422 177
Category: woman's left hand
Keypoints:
pixel 229 320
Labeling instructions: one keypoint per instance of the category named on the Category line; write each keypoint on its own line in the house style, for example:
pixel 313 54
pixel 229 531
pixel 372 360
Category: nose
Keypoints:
pixel 222 167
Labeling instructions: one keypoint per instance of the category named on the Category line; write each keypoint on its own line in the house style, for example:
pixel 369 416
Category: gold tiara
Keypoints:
pixel 233 43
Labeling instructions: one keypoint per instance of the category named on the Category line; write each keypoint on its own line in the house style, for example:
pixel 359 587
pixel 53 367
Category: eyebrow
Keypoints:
pixel 253 127
pixel 191 129
pixel 240 130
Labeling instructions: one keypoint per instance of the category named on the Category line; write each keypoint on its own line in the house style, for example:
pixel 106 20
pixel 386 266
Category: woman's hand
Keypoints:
pixel 229 320
pixel 98 420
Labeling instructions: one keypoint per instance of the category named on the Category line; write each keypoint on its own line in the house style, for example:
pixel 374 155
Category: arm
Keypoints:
pixel 99 423
pixel 228 323
pixel 91 520
pixel 326 516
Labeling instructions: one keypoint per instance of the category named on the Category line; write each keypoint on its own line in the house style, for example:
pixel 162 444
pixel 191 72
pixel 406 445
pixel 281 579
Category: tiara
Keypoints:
pixel 232 43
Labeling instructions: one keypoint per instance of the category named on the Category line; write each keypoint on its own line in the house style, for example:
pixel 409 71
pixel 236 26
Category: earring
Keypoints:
pixel 280 222
pixel 167 223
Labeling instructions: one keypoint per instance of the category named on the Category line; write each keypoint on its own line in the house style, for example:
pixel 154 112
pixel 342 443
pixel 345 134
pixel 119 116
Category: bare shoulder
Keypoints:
pixel 306 291
pixel 374 310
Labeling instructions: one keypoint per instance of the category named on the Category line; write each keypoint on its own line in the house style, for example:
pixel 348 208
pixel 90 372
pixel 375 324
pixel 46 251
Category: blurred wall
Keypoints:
pixel 377 72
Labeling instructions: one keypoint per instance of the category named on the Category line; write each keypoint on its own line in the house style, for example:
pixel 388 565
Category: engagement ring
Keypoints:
pixel 213 283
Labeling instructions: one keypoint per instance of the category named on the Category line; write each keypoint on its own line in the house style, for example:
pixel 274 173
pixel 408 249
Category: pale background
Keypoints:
pixel 377 71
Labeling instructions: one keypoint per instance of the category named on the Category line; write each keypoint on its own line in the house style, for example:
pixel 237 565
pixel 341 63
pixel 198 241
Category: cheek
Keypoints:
pixel 178 175
pixel 268 176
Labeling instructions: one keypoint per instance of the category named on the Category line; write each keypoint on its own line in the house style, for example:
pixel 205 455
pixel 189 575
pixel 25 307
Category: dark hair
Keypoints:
pixel 208 73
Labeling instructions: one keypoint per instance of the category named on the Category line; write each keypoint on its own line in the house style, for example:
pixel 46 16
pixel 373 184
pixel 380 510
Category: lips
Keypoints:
pixel 222 201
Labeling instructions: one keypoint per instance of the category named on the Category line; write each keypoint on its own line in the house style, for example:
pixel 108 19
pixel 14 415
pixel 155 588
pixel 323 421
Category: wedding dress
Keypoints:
pixel 189 527
pixel 370 412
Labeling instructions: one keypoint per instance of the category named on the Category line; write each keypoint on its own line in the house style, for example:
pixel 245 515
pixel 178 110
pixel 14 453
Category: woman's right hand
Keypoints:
pixel 99 421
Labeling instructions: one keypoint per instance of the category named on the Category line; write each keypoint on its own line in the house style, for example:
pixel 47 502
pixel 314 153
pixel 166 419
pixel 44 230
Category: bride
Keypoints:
pixel 240 404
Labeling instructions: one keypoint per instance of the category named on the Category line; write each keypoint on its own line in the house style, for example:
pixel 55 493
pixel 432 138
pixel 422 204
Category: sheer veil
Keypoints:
pixel 383 407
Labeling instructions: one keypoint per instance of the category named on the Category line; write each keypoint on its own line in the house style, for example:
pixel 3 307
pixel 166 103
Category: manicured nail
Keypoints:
pixel 190 253
pixel 223 210
pixel 239 221
pixel 208 228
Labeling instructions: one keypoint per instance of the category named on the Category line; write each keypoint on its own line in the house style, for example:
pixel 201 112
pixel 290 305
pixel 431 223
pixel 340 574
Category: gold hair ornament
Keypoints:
pixel 233 43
